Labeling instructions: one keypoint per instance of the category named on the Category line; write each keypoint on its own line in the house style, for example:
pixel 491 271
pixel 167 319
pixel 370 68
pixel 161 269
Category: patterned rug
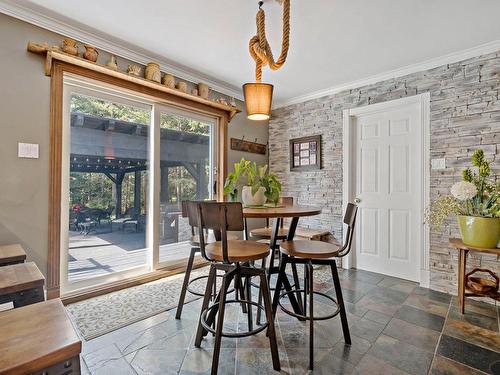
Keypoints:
pixel 97 316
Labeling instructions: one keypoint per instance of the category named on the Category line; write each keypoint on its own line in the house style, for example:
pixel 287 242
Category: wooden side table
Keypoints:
pixel 463 290
pixel 39 339
pixel 21 284
pixel 12 254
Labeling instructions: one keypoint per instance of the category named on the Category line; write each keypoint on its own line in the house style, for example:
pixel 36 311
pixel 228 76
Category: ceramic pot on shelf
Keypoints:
pixel 249 199
pixel 90 53
pixel 134 70
pixel 152 72
pixel 203 90
pixel 169 81
pixel 182 86
pixel 112 64
pixel 480 231
pixel 69 46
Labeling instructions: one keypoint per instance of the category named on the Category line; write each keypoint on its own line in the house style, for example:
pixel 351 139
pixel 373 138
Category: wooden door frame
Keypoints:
pixel 56 122
pixel 348 169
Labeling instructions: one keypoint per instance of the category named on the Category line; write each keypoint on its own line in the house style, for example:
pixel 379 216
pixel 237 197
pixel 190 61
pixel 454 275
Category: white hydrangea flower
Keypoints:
pixel 464 190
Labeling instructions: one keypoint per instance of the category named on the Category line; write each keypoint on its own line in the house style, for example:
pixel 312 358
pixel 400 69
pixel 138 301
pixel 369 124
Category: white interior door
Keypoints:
pixel 388 181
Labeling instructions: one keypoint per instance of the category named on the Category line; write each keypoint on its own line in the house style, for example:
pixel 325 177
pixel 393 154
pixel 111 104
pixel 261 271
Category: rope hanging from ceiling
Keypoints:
pixel 259 47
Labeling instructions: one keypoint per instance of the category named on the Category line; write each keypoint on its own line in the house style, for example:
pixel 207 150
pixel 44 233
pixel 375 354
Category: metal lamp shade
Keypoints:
pixel 258 99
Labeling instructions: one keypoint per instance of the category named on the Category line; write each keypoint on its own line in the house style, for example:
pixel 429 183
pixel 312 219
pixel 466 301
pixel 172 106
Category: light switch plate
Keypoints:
pixel 438 163
pixel 28 150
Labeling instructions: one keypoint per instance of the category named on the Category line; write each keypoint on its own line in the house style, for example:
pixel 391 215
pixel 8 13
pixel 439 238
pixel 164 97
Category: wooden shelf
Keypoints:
pixel 472 293
pixel 51 55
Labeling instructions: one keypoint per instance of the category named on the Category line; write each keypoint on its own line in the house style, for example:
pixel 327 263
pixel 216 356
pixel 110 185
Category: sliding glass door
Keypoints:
pixel 128 163
pixel 186 173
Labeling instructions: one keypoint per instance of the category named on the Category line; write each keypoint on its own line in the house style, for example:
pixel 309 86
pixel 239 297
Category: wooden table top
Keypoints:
pixel 35 337
pixel 17 277
pixel 457 243
pixel 12 253
pixel 284 211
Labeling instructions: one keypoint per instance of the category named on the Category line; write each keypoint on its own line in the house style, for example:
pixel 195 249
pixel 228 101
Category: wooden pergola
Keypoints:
pixel 115 148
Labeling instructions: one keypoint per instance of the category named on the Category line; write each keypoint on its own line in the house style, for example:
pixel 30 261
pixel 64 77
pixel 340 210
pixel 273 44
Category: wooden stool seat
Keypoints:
pixel 210 238
pixel 12 254
pixel 238 251
pixel 266 233
pixel 39 339
pixel 309 249
pixel 21 284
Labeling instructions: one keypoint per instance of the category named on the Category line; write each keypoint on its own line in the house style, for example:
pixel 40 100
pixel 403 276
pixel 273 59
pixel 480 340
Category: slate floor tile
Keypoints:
pixel 99 357
pixel 115 366
pixel 199 362
pixel 432 294
pixel 420 318
pixel 444 366
pixel 157 361
pixel 391 294
pixel 367 329
pixel 370 365
pixel 412 334
pixel 296 335
pixel 483 321
pixel 473 334
pixel 377 317
pixel 355 309
pixel 367 276
pixel 477 307
pixel 325 363
pixel 404 356
pixel 106 361
pixel 259 362
pixel 466 353
pixel 352 353
pixel 378 303
pixel 397 284
pixel 427 304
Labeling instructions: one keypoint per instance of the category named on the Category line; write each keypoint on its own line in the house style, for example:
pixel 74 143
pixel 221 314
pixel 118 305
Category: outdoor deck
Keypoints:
pixel 102 254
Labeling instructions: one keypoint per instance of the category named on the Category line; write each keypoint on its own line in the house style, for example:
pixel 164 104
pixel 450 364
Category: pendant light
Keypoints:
pixel 258 95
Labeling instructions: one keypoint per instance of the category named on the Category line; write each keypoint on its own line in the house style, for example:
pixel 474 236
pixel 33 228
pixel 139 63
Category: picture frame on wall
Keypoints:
pixel 305 153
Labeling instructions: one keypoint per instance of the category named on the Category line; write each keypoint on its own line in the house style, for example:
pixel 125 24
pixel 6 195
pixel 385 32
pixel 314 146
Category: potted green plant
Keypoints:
pixel 260 186
pixel 475 201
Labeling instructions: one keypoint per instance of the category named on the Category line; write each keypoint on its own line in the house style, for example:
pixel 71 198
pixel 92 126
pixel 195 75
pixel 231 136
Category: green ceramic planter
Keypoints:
pixel 479 231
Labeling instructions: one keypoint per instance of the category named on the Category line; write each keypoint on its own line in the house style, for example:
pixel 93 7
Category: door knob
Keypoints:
pixel 357 200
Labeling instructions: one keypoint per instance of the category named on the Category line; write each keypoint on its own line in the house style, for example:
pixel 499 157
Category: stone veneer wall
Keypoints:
pixel 465 115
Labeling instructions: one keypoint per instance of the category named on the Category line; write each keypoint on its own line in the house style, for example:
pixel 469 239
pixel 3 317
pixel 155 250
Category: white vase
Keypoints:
pixel 249 199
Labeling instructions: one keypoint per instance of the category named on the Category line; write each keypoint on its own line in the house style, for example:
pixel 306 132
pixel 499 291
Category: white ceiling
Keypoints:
pixel 333 42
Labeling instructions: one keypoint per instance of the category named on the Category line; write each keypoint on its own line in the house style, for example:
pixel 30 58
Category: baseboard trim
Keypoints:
pixel 425 276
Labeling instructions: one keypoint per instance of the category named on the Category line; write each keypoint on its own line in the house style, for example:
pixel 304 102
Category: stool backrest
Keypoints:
pixel 220 217
pixel 349 219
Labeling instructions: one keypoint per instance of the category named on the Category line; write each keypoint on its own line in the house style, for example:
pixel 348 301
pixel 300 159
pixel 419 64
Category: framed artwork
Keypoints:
pixel 305 153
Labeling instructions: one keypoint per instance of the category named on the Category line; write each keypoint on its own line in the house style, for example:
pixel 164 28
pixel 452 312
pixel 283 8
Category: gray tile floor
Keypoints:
pixel 396 327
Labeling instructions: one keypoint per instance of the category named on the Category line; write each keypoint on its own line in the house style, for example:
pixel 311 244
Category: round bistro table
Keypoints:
pixel 295 212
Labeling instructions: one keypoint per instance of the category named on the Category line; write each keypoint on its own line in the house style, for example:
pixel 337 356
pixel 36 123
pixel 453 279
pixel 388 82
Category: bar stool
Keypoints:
pixel 312 253
pixel 234 257
pixel 195 249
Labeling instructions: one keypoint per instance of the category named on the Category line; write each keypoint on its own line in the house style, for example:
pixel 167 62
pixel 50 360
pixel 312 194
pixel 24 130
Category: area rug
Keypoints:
pixel 97 316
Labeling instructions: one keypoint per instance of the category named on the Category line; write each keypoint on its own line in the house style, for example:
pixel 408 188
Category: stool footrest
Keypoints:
pixel 199 278
pixel 306 317
pixel 204 313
